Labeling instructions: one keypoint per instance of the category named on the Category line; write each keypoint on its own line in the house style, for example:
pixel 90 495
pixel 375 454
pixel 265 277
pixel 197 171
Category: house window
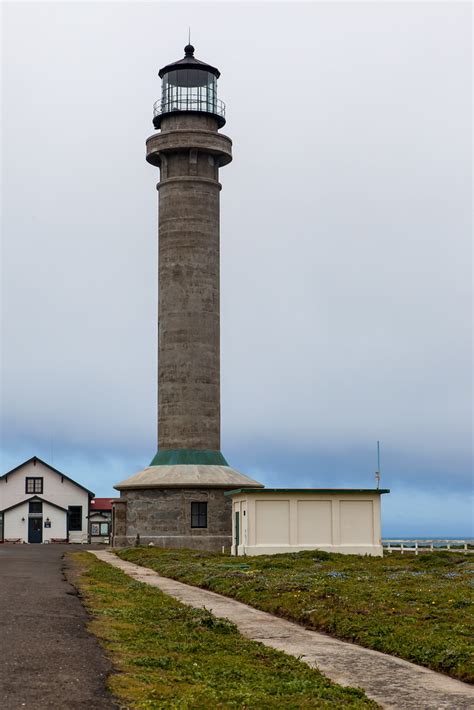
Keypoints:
pixel 35 506
pixel 75 518
pixel 199 515
pixel 34 485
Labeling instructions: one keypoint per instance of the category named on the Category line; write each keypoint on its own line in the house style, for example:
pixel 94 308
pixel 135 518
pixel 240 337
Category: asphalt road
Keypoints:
pixel 47 658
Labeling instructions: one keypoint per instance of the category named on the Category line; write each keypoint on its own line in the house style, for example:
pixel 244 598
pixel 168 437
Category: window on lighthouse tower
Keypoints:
pixel 189 90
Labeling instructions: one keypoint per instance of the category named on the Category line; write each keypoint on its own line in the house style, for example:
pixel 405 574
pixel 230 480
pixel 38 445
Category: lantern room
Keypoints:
pixel 188 86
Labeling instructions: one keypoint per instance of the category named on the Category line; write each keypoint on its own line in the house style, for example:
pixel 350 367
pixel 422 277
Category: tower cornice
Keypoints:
pixel 210 142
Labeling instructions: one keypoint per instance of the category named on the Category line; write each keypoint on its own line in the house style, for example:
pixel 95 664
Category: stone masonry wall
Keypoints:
pixel 119 523
pixel 163 517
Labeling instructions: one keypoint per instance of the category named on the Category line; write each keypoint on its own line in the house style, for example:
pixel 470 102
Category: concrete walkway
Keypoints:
pixel 392 682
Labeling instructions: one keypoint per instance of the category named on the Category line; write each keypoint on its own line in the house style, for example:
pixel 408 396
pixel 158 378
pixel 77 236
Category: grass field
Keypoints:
pixel 168 655
pixel 418 608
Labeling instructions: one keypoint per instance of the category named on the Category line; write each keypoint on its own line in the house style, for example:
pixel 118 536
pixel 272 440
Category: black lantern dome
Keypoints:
pixel 189 86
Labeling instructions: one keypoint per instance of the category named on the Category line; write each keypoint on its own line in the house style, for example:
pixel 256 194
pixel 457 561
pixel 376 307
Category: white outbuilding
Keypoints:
pixel 267 521
pixel 39 504
pixel 100 520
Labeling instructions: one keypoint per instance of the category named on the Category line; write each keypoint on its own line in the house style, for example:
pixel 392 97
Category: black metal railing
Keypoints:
pixel 215 106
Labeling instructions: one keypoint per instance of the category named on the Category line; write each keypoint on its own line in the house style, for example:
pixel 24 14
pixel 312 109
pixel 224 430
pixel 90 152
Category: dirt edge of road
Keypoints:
pixel 70 573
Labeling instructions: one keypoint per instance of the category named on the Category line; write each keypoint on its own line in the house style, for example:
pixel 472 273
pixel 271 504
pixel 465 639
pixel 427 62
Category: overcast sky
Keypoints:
pixel 345 243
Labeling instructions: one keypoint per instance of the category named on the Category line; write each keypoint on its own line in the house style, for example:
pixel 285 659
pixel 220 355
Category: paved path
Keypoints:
pixel 47 658
pixel 390 681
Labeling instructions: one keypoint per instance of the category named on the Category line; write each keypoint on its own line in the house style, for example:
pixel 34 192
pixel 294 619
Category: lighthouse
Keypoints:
pixel 189 151
pixel 178 500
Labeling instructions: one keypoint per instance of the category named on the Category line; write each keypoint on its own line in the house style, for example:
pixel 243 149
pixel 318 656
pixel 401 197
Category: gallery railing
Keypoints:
pixel 215 106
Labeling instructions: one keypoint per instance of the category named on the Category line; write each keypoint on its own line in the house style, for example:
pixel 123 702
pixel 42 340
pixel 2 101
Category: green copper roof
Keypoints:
pixel 173 457
pixel 306 490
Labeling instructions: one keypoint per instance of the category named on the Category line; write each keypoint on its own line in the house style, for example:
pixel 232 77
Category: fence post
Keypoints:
pixel 465 548
pixel 416 547
pixel 401 548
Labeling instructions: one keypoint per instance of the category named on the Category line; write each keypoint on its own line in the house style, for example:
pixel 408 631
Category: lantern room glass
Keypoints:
pixel 189 90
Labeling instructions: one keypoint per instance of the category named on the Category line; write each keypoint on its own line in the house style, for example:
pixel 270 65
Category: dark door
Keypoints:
pixel 237 530
pixel 35 529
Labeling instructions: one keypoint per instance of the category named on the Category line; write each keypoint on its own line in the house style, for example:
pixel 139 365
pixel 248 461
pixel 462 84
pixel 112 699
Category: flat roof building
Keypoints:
pixel 276 520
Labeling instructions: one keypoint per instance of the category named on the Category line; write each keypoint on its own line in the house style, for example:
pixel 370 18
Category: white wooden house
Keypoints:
pixel 39 504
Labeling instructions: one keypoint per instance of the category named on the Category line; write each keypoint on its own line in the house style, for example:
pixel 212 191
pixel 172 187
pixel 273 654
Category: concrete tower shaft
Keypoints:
pixel 189 151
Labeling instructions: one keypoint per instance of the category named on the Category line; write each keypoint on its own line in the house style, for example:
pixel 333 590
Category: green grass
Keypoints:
pixel 417 608
pixel 168 655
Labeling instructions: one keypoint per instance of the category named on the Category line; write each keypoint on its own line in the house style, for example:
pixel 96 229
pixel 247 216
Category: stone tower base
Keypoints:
pixel 155 507
pixel 163 517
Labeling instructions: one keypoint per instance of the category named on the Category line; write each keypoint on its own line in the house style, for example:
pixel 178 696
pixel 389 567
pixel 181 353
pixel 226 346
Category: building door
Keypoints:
pixel 237 530
pixel 35 529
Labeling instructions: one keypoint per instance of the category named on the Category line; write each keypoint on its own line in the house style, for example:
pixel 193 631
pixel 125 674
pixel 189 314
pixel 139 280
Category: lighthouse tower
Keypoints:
pixel 178 501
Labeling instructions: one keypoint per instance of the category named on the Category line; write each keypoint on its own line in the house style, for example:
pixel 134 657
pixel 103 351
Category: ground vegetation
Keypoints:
pixel 168 655
pixel 419 608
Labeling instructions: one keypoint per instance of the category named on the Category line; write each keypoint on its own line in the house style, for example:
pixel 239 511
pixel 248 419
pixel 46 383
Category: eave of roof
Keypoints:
pixel 60 473
pixel 35 498
pixel 101 504
pixel 187 476
pixel 307 490
pixel 189 61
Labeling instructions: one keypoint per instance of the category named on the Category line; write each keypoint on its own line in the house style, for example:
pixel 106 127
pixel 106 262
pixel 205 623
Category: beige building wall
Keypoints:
pixel 270 522
pixel 314 522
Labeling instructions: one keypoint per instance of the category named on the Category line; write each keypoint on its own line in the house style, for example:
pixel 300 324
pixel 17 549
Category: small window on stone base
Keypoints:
pixel 199 515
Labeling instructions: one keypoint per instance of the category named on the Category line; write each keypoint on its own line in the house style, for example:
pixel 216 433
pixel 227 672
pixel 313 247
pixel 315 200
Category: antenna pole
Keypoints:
pixel 377 475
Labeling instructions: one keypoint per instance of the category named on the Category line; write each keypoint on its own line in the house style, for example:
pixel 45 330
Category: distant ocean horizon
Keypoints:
pixel 468 538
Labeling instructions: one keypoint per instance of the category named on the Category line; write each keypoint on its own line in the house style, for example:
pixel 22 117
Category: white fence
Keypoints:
pixel 435 545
